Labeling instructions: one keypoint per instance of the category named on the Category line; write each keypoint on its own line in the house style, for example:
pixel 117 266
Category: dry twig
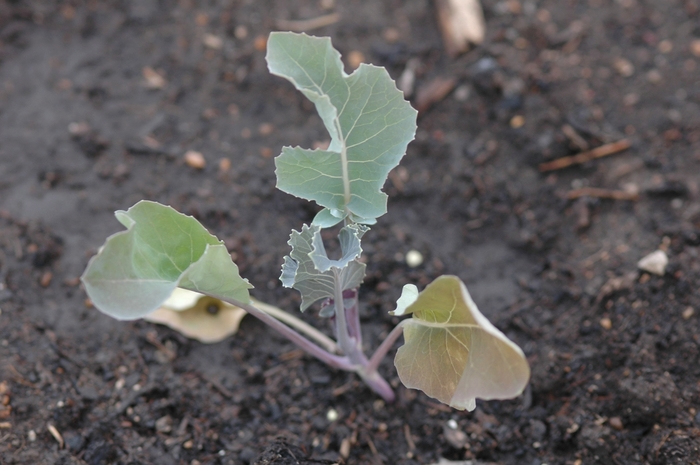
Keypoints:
pixel 308 24
pixel 598 152
pixel 602 194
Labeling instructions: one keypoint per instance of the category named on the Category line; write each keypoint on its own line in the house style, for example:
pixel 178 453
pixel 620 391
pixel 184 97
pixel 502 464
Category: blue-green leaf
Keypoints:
pixel 369 122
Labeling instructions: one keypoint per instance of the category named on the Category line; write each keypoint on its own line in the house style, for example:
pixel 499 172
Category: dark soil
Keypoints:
pixel 614 351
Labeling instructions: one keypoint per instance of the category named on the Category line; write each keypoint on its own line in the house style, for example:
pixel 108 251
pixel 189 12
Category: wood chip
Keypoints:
pixel 598 152
pixel 461 23
pixel 46 279
pixel 308 24
pixel 154 80
pixel 56 435
pixel 435 91
pixel 345 448
pixel 601 194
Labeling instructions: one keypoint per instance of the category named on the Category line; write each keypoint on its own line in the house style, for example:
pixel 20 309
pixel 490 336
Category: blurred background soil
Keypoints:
pixel 100 102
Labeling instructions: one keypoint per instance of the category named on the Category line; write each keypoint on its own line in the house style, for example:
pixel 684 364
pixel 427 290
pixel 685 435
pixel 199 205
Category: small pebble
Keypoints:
pixel 688 313
pixel 266 129
pixel 241 32
pixel 212 41
pixel 260 43
pixel 654 263
pixel 154 80
pixel 188 444
pixel 46 279
pixel 517 121
pixel 654 76
pixel 624 67
pixel 414 258
pixel 616 423
pixel 195 159
pixel 224 165
pixel 164 424
pixel 695 47
pixel 31 436
pixel 391 35
pixel 606 323
pixel 355 59
pixel 665 46
pixel 332 415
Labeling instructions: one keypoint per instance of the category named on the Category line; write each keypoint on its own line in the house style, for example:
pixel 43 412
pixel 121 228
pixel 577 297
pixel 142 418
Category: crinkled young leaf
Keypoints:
pixel 300 271
pixel 138 269
pixel 453 353
pixel 349 238
pixel 369 122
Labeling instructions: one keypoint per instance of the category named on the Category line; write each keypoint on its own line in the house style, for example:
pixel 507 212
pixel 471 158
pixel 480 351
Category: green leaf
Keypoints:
pixel 369 122
pixel 317 281
pixel 138 269
pixel 453 353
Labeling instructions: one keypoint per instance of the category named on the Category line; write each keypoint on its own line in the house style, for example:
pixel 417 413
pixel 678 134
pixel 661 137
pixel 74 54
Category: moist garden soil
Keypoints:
pixel 100 101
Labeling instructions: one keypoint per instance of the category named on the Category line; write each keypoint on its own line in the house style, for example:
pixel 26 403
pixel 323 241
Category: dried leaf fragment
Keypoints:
pixel 461 22
pixel 197 316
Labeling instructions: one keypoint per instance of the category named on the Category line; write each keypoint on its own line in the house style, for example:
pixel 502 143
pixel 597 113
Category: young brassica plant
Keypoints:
pixel 451 351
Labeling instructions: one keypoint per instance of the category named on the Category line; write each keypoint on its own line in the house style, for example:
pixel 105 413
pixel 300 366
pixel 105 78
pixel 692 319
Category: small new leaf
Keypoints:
pixel 309 270
pixel 369 122
pixel 453 353
pixel 136 270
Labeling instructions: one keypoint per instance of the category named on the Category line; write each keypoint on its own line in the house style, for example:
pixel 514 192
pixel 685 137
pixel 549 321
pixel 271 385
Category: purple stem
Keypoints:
pixel 384 347
pixel 342 362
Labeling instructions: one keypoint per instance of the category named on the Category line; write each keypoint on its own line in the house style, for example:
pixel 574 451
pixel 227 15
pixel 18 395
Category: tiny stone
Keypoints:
pixel 46 279
pixel 195 159
pixel 164 424
pixel 606 323
pixel 241 32
pixel 688 313
pixel 31 436
pixel 391 35
pixel 224 165
pixel 266 129
pixel 655 263
pixel 624 67
pixel 452 424
pixel 188 444
pixel 517 121
pixel 260 43
pixel 355 59
pixel 414 258
pixel 332 415
pixel 665 46
pixel 616 423
pixel 654 76
pixel 212 41
pixel 695 47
